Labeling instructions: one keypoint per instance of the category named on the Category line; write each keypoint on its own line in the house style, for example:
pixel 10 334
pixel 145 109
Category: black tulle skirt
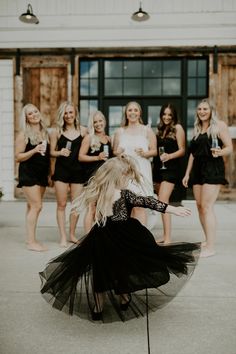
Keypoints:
pixel 119 258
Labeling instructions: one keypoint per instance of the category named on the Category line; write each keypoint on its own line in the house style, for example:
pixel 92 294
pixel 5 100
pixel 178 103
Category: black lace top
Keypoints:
pixel 123 206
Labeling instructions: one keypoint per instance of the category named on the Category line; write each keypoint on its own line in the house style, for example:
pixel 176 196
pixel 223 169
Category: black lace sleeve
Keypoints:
pixel 145 202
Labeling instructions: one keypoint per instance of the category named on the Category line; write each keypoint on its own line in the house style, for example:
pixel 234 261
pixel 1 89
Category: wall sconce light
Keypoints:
pixel 140 15
pixel 29 17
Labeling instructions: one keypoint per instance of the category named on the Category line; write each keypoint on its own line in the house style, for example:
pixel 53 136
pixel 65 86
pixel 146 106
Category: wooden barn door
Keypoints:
pixel 46 88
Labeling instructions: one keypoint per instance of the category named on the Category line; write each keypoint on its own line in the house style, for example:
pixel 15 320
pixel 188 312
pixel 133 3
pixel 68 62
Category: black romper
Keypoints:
pixel 91 167
pixel 173 167
pixel 120 257
pixel 69 169
pixel 35 170
pixel 206 168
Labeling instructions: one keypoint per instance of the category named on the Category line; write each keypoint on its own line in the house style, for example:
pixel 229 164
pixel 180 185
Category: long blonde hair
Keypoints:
pixel 61 125
pixel 114 174
pixel 125 121
pixel 30 134
pixel 213 129
pixel 95 143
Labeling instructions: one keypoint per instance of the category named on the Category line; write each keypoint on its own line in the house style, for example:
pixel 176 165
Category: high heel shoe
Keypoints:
pixel 124 306
pixel 96 316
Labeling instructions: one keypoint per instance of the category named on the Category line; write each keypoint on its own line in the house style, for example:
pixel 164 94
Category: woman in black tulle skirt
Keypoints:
pixel 107 274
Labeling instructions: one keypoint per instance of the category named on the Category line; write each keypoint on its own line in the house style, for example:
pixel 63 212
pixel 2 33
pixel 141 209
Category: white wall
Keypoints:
pixel 6 129
pixel 107 23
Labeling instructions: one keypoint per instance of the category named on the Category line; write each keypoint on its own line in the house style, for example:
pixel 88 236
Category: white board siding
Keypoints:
pixel 6 129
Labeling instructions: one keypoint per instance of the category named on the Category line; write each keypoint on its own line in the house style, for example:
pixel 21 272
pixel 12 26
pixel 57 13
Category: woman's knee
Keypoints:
pixel 61 206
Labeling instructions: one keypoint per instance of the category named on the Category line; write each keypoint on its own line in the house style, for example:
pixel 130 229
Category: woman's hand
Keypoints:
pixel 65 152
pixel 216 152
pixel 140 152
pixel 102 156
pixel 164 157
pixel 120 151
pixel 178 211
pixel 185 181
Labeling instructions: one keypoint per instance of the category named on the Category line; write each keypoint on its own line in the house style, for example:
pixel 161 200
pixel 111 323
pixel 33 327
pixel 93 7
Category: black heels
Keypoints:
pixel 124 306
pixel 96 316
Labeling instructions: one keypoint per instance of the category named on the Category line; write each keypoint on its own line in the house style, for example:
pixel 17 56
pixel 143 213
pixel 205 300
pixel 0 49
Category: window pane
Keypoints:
pixel 132 86
pixel 154 116
pixel 84 87
pixel 151 87
pixel 113 87
pixel 192 89
pixel 171 87
pixel 132 69
pixel 152 68
pixel 113 68
pixel 115 115
pixel 88 69
pixel 201 87
pixel 86 108
pixel 191 109
pixel 202 67
pixel 93 69
pixel 192 67
pixel 171 68
pixel 93 87
pixel 84 69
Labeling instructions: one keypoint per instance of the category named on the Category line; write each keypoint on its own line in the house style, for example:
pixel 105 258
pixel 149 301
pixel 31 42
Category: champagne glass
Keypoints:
pixel 214 143
pixel 44 143
pixel 161 152
pixel 68 145
pixel 214 146
pixel 106 150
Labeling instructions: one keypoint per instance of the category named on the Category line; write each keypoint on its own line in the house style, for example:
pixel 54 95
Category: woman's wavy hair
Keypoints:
pixel 213 129
pixel 35 138
pixel 125 121
pixel 95 143
pixel 114 174
pixel 169 130
pixel 61 125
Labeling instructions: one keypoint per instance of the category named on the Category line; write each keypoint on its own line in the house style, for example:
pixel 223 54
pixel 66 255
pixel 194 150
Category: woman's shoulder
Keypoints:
pixel 178 126
pixel 83 130
pixel 222 125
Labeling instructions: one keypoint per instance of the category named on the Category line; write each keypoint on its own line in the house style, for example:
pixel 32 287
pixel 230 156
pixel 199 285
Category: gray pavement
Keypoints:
pixel 200 320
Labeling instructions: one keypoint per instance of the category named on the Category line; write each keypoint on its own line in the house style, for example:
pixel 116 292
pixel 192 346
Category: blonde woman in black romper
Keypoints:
pixel 205 170
pixel 68 175
pixel 32 152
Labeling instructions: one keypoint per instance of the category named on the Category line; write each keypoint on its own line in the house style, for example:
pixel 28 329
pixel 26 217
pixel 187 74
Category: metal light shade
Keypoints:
pixel 29 17
pixel 140 15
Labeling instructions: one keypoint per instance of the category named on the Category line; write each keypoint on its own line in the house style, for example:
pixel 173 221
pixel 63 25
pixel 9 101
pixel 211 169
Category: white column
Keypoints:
pixel 6 129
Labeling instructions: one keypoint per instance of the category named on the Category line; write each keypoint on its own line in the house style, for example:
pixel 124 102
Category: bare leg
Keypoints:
pixel 208 196
pixel 61 195
pixel 197 191
pixel 33 196
pixel 99 301
pixel 164 192
pixel 75 190
pixel 89 218
pixel 139 214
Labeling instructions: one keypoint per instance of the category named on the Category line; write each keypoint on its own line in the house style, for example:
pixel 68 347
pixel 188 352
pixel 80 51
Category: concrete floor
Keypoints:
pixel 200 320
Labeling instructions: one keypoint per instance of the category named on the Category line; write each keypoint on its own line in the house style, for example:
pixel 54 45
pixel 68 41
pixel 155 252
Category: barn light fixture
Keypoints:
pixel 140 15
pixel 29 17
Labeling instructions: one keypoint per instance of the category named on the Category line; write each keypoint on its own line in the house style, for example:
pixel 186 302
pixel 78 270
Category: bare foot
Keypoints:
pixel 63 244
pixel 206 253
pixel 163 243
pixel 73 240
pixel 203 244
pixel 36 246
